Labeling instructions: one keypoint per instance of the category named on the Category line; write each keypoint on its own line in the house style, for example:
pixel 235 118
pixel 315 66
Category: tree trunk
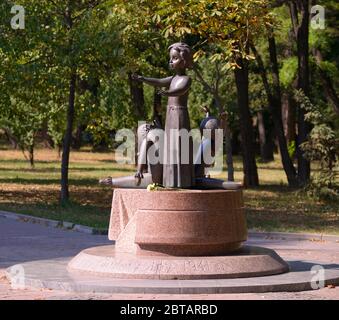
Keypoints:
pixel 59 151
pixel 246 129
pixel 302 32
pixel 11 139
pixel 157 108
pixel 266 144
pixel 137 97
pixel 228 145
pixel 235 142
pixel 138 102
pixel 31 155
pixel 227 135
pixel 288 114
pixel 68 139
pixel 274 101
pixel 304 168
pixel 76 140
pixel 229 155
pixel 277 116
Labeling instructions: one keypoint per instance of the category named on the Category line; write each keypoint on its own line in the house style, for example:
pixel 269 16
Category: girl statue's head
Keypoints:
pixel 181 56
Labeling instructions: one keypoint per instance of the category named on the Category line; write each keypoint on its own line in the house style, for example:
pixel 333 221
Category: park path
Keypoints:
pixel 22 242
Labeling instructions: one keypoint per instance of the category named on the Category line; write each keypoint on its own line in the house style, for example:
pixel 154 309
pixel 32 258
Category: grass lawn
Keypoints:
pixel 271 207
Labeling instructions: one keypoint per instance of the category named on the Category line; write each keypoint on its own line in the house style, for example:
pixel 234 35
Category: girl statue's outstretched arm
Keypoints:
pixel 163 82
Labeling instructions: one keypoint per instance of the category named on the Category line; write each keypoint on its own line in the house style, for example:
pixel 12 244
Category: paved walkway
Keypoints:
pixel 22 242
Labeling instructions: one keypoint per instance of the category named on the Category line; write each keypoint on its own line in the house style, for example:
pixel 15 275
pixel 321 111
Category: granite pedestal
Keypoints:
pixel 185 234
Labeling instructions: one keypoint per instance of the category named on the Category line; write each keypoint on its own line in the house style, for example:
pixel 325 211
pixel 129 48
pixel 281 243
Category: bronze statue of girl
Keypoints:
pixel 178 170
pixel 182 172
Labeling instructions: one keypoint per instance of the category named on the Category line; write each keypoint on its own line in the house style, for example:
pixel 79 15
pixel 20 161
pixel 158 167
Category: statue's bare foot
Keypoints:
pixel 106 181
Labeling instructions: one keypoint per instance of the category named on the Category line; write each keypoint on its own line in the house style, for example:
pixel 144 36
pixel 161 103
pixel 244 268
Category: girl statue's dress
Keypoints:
pixel 178 168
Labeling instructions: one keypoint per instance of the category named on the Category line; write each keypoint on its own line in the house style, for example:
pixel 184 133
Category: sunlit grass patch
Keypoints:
pixel 271 207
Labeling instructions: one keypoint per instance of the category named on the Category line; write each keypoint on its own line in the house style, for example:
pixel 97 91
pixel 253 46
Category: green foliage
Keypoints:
pixel 112 112
pixel 288 71
pixel 121 37
pixel 226 25
pixel 321 146
pixel 200 97
pixel 111 38
pixel 291 149
pixel 38 61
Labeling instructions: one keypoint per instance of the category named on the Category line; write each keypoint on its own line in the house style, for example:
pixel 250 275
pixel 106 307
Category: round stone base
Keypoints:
pixel 178 222
pixel 54 274
pixel 248 261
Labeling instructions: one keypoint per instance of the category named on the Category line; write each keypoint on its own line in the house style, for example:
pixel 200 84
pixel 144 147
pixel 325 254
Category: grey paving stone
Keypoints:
pixel 32 242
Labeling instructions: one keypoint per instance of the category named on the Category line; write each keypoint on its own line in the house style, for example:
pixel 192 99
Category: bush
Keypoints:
pixel 321 146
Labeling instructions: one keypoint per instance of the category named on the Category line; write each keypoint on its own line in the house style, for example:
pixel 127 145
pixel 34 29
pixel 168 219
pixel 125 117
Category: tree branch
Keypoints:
pixel 202 80
pixel 262 71
pixel 218 77
pixel 294 17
